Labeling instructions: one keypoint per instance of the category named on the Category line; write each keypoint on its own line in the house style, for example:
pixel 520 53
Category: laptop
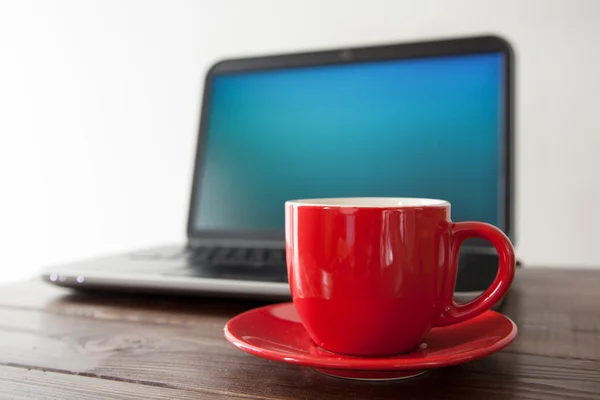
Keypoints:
pixel 428 119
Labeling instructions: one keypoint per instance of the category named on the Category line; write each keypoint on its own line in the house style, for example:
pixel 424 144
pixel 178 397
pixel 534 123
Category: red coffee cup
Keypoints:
pixel 372 276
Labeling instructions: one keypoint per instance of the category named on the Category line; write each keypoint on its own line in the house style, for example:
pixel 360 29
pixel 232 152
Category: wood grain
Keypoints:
pixel 20 383
pixel 108 346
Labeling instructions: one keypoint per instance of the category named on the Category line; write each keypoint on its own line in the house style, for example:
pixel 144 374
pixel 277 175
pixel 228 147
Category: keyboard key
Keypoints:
pixel 257 255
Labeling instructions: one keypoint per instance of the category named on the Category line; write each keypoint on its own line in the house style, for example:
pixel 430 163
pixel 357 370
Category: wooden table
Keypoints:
pixel 60 345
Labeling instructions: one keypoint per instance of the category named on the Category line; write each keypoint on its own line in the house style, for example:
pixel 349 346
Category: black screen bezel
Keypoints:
pixel 424 49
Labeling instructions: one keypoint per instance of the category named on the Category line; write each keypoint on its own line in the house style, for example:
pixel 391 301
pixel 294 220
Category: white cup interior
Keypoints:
pixel 356 202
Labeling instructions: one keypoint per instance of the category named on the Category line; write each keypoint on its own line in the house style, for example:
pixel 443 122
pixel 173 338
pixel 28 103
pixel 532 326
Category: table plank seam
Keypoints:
pixel 89 375
pixel 511 351
pixel 90 317
pixel 132 381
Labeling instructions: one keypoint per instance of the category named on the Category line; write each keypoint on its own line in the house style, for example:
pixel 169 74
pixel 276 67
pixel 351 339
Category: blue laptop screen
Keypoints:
pixel 428 127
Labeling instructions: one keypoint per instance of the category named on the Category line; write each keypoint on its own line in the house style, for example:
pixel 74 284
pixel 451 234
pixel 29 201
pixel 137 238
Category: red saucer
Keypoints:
pixel 275 332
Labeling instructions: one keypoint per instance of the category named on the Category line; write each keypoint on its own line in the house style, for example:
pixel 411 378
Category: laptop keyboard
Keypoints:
pixel 237 263
pixel 237 256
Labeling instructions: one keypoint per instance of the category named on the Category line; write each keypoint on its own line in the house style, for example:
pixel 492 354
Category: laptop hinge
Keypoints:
pixel 258 243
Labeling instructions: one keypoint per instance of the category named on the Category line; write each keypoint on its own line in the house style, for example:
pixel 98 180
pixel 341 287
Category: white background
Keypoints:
pixel 99 106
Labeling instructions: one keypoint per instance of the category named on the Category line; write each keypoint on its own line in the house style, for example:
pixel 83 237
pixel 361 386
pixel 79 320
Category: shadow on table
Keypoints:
pixel 480 379
pixel 162 304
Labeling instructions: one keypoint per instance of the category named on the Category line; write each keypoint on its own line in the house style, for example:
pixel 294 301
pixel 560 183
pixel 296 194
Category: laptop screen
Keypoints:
pixel 429 127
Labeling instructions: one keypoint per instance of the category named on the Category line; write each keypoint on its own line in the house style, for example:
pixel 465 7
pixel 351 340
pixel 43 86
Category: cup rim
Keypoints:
pixel 370 202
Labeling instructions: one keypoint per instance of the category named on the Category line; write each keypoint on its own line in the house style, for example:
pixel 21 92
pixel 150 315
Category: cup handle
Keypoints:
pixel 453 313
